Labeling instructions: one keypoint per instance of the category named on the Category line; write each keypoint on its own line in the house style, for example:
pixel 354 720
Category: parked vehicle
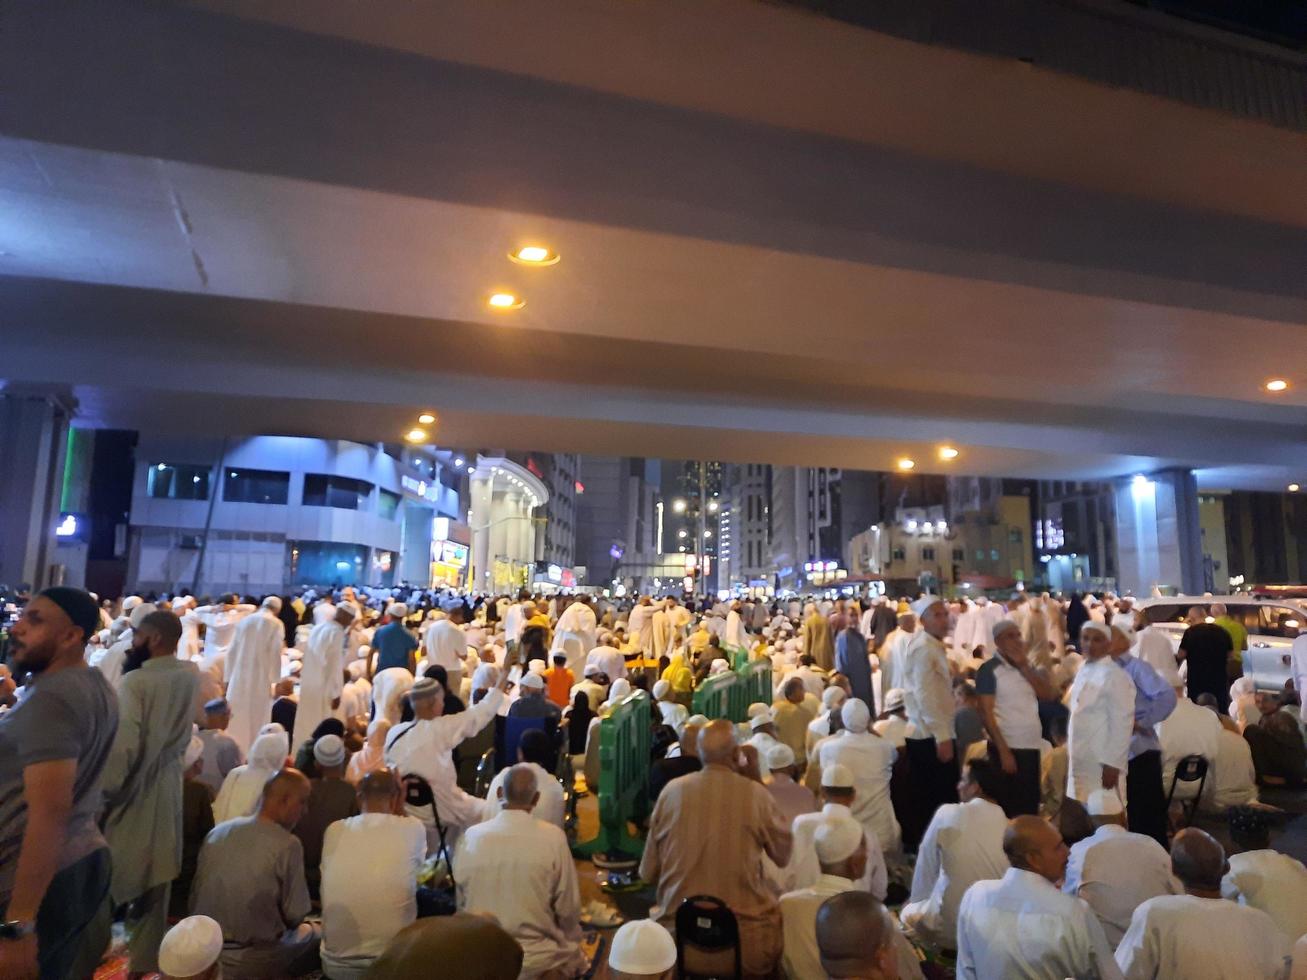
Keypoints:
pixel 1272 625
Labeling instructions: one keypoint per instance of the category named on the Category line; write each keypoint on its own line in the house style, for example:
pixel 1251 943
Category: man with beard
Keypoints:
pixel 54 863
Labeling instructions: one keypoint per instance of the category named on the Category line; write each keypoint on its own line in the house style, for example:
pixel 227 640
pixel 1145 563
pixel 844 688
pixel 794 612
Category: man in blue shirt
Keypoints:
pixel 392 644
pixel 1154 702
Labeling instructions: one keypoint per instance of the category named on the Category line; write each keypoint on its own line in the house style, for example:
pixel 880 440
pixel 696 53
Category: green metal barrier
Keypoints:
pixel 755 679
pixel 623 778
pixel 712 697
pixel 738 657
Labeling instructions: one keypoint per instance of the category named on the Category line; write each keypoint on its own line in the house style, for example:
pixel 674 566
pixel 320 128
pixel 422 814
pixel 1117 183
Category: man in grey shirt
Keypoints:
pixel 54 865
pixel 250 878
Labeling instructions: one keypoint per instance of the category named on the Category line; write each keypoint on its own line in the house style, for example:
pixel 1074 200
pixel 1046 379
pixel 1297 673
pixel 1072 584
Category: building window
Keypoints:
pixel 387 504
pixel 959 554
pixel 980 554
pixel 993 555
pixel 899 554
pixel 173 481
pixel 1014 535
pixel 927 554
pixel 341 492
pixel 255 487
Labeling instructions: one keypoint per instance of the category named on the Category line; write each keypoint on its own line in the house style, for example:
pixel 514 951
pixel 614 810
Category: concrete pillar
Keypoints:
pixel 33 434
pixel 1158 534
pixel 481 488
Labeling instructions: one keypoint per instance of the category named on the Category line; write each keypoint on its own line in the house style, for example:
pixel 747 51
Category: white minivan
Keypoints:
pixel 1272 626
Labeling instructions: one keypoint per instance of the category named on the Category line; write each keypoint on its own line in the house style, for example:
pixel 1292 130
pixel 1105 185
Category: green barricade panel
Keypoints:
pixel 738 657
pixel 623 789
pixel 711 698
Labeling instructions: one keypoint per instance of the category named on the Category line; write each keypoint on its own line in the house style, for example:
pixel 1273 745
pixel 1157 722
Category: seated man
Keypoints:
pixel 1279 755
pixel 671 767
pixel 1021 925
pixel 792 714
pixel 520 869
pixel 536 751
pixel 1264 879
pixel 1188 730
pixel 450 939
pixel 963 844
pixel 841 850
pixel 793 799
pixel 1232 778
pixel 332 798
pixel 370 865
pixel 642 950
pixel 804 870
pixel 856 938
pixel 532 703
pixel 250 878
pixel 1115 871
pixel 1199 934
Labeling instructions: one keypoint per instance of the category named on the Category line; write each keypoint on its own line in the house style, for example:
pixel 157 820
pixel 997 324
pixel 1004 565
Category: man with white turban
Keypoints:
pixel 253 667
pixel 191 949
pixel 322 678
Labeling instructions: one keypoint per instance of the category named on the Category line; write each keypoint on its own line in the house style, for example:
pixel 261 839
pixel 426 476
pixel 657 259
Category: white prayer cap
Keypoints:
pixel 272 602
pixel 139 613
pixel 272 728
pixel 1123 626
pixel 1094 626
pixel 532 681
pixel 1001 626
pixel 1104 803
pixel 620 689
pixel 190 947
pixel 833 696
pixel 193 752
pixel 780 756
pixel 661 689
pixel 836 838
pixel 180 602
pixel 642 947
pixel 329 751
pixel 757 708
pixel 838 776
pixel 699 720
pixel 719 666
pixel 758 721
pixel 925 602
pixel 590 670
pixel 131 602
pixel 894 699
pixel 856 715
pixel 605 638
pixel 397 610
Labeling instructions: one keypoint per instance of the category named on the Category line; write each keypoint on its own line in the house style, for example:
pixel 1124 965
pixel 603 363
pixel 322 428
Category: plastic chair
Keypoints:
pixel 705 923
pixel 1190 769
pixel 509 732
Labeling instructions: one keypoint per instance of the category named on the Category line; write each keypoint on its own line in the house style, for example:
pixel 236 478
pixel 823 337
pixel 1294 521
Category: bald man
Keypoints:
pixel 250 878
pixel 1200 935
pixel 707 835
pixel 521 869
pixel 855 938
pixel 1022 925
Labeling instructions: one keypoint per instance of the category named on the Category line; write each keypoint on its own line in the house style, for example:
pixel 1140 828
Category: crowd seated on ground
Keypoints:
pixel 364 782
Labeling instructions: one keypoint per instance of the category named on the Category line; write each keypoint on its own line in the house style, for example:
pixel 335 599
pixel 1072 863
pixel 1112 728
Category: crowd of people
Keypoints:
pixel 296 783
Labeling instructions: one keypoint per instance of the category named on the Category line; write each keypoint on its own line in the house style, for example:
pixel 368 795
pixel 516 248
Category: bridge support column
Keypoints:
pixel 33 440
pixel 1158 537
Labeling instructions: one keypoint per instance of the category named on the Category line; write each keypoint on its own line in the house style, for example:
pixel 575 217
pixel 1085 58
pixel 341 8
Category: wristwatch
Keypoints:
pixel 17 928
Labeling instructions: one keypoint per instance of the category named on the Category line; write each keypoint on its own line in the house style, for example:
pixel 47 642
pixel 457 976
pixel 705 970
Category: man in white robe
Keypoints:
pixel 575 633
pixel 323 675
pixel 1102 703
pixel 253 667
pixel 893 651
pixel 219 622
pixel 871 759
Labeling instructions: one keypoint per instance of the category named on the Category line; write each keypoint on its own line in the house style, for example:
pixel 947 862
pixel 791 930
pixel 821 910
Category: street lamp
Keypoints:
pixel 678 506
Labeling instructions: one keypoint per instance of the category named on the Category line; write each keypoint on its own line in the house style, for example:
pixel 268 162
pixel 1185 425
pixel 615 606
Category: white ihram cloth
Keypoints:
pixel 321 680
pixel 424 748
pixel 962 845
pixel 1115 872
pixel 521 869
pixel 804 869
pixel 446 645
pixel 1272 882
pixel 388 689
pixel 574 634
pixel 1102 704
pixel 252 667
pixel 1191 938
pixel 608 659
pixel 1022 928
pixel 870 758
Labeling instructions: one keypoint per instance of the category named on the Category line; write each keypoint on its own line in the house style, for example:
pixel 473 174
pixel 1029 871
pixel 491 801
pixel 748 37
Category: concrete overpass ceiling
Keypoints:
pixel 783 238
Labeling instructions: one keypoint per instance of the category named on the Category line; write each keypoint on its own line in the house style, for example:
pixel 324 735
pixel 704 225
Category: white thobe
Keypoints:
pixel 1154 648
pixel 1187 730
pixel 1190 938
pixel 321 680
pixel 574 634
pixel 252 668
pixel 550 808
pixel 804 869
pixel 928 687
pixel 674 715
pixel 1115 872
pixel 388 689
pixel 735 635
pixel 111 664
pixel 446 645
pixel 1102 703
pixel 219 630
pixel 324 612
pixel 514 620
pixel 962 845
pixel 870 758
pixel 610 661
pixel 426 749
pixel 189 646
pixel 1233 779
pixel 661 634
pixel 1022 928
pixel 1272 882
pixel 521 869
pixel 968 633
pixel 895 729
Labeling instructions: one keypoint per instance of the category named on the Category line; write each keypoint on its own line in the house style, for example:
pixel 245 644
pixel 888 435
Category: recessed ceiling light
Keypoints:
pixel 416 435
pixel 505 301
pixel 426 418
pixel 1294 488
pixel 947 452
pixel 906 464
pixel 536 255
pixel 1276 384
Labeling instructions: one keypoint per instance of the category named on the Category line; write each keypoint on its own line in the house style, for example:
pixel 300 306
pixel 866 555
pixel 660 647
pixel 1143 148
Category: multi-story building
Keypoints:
pixel 692 497
pixel 744 528
pixel 1074 535
pixel 1253 538
pixel 815 512
pixel 268 513
pixel 560 474
pixel 620 519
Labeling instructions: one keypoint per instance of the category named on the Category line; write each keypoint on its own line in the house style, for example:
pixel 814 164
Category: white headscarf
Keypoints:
pixel 243 787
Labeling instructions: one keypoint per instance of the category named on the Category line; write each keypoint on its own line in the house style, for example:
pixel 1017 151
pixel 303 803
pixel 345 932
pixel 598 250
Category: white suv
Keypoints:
pixel 1272 626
